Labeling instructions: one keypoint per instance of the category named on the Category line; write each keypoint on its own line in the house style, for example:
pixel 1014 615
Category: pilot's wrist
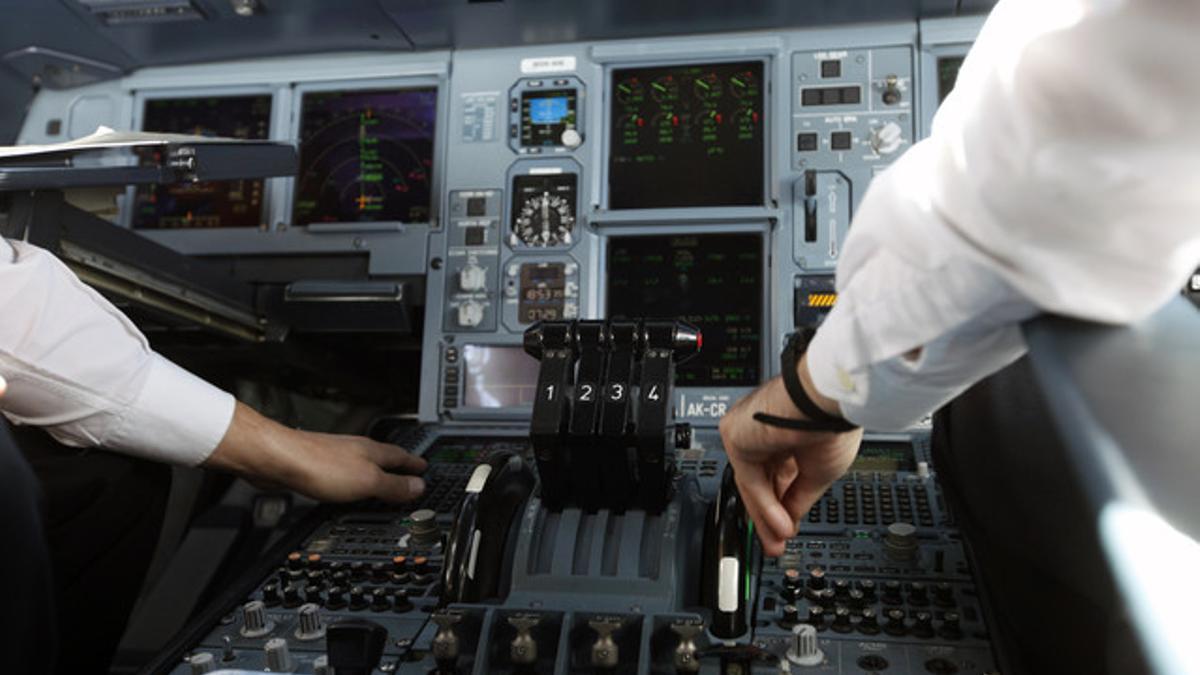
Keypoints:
pixel 823 402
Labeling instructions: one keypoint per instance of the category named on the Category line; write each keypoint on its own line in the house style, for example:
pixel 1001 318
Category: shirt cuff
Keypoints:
pixel 177 417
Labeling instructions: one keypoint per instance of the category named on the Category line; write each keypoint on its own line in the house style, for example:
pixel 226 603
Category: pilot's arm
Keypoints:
pixel 1061 176
pixel 77 367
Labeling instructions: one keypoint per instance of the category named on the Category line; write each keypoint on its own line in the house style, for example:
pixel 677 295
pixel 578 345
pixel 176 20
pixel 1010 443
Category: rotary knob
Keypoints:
pixel 792 584
pixel 791 616
pixel 895 623
pixel 841 620
pixel 923 625
pixel 816 578
pixel 472 278
pixel 571 138
pixel 201 663
pixel 900 543
pixel 804 650
pixel 255 622
pixel 887 138
pixel 279 659
pixel 816 616
pixel 470 314
pixel 424 528
pixel 951 627
pixel 868 624
pixel 310 625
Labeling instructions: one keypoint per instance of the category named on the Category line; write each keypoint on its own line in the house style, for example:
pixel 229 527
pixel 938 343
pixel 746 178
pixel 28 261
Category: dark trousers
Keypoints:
pixel 27 640
pixel 102 514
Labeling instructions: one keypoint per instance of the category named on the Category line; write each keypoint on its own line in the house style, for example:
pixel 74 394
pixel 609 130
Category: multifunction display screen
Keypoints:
pixel 543 292
pixel 366 156
pixel 545 115
pixel 885 457
pixel 714 281
pixel 236 203
pixel 688 135
pixel 498 377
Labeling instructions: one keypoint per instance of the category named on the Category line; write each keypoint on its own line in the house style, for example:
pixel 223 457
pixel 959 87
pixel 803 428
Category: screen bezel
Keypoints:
pixel 384 84
pixel 768 106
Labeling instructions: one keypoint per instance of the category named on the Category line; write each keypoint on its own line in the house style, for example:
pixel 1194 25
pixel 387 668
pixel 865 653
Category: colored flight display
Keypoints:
pixel 206 204
pixel 685 136
pixel 714 281
pixel 366 156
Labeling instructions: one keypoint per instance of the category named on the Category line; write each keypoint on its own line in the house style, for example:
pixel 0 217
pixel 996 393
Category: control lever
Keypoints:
pixel 475 554
pixel 523 651
pixel 591 344
pixel 552 343
pixel 664 343
pixel 445 644
pixel 605 652
pixel 725 565
pixel 354 646
pixel 615 471
pixel 687 657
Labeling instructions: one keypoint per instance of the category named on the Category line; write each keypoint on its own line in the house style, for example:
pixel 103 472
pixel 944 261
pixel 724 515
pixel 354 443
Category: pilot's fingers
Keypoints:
pixel 785 472
pixel 801 495
pixel 758 494
pixel 392 487
pixel 3 385
pixel 395 457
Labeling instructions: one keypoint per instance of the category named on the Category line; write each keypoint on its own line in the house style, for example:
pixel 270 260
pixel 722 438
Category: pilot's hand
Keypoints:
pixel 323 466
pixel 781 473
pixel 3 385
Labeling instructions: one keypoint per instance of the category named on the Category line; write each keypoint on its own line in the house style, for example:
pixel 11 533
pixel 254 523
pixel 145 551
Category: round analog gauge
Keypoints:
pixel 743 84
pixel 545 220
pixel 665 89
pixel 707 87
pixel 630 90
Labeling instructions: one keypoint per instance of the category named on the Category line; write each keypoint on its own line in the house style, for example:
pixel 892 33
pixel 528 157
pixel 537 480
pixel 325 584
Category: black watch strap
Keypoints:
pixel 818 419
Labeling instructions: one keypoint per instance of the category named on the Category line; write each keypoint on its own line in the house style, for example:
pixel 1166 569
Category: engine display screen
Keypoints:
pixel 498 377
pixel 714 281
pixel 687 135
pixel 543 292
pixel 236 203
pixel 366 156
pixel 885 457
pixel 545 115
pixel 947 67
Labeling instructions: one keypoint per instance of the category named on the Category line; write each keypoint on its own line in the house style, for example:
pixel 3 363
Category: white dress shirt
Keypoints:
pixel 1062 175
pixel 76 366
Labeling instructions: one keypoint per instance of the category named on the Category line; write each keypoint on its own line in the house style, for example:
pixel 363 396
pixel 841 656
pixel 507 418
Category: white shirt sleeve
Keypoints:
pixel 79 368
pixel 1061 176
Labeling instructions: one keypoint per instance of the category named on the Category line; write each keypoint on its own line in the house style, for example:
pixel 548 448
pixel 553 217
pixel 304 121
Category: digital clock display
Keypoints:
pixel 543 292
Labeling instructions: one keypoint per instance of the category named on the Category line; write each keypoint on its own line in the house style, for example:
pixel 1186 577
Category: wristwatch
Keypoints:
pixel 818 419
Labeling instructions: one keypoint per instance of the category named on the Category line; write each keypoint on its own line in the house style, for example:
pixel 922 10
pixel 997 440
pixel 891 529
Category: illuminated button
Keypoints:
pixel 831 68
pixel 806 142
pixel 840 140
pixel 476 206
pixel 475 236
pixel 851 95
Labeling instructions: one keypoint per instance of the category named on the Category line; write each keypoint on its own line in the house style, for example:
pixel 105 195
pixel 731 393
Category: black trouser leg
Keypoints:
pixel 27 619
pixel 103 514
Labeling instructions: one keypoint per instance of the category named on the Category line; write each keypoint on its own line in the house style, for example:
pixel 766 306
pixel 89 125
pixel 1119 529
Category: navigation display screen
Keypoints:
pixel 687 135
pixel 545 115
pixel 366 156
pixel 236 203
pixel 715 281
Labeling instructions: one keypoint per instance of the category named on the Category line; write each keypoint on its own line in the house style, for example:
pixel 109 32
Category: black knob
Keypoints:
pixel 791 616
pixel 312 593
pixel 895 622
pixel 891 593
pixel 841 620
pixel 816 579
pixel 943 595
pixel 400 564
pixel 354 646
pixel 380 571
pixel 295 560
pixel 923 626
pixel 824 598
pixel 841 587
pixel 951 628
pixel 918 594
pixel 270 595
pixel 816 617
pixel 332 568
pixel 792 584
pixel 358 598
pixel 336 598
pixel 314 561
pixel 381 600
pixel 291 596
pixel 400 601
pixel 358 570
pixel 868 624
pixel 314 577
pixel 421 565
pixel 341 577
pixel 856 599
pixel 868 587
